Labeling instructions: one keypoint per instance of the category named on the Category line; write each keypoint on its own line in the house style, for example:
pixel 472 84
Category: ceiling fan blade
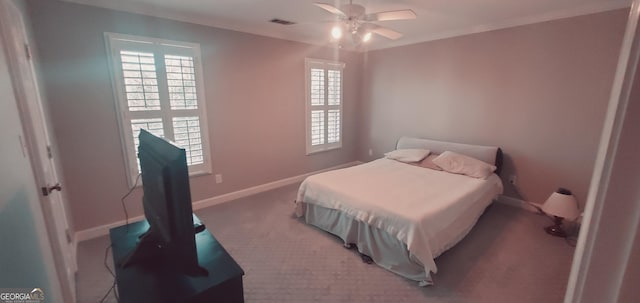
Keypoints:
pixel 404 14
pixel 386 32
pixel 330 8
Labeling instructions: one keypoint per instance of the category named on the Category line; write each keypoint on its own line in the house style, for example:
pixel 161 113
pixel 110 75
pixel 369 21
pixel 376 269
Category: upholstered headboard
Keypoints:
pixel 489 154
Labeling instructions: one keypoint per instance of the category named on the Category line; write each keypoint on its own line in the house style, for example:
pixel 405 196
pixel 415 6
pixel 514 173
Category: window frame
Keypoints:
pixel 159 47
pixel 326 66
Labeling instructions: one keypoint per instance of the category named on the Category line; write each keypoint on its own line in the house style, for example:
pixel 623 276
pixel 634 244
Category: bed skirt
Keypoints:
pixel 386 251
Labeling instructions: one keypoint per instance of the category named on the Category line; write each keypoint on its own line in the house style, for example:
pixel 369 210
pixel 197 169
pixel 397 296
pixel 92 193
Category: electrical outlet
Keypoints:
pixel 513 179
pixel 218 178
pixel 370 152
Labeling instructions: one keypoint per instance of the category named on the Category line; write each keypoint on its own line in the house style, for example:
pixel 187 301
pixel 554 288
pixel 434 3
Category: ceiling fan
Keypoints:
pixel 354 20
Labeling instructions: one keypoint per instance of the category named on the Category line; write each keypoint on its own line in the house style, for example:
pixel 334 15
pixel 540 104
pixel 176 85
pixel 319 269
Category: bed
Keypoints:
pixel 402 216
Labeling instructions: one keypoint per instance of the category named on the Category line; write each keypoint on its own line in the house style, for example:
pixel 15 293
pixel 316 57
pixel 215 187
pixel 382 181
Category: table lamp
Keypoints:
pixel 561 205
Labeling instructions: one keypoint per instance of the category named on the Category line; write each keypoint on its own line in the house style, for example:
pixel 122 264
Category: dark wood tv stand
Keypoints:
pixel 139 284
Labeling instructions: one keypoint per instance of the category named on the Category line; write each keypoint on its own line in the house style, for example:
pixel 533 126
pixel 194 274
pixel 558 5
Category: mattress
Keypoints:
pixel 421 212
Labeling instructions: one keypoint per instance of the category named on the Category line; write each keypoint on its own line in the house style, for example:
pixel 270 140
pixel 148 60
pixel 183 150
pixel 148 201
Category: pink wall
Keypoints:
pixel 538 91
pixel 254 89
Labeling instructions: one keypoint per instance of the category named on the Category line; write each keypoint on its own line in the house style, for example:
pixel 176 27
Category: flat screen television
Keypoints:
pixel 169 243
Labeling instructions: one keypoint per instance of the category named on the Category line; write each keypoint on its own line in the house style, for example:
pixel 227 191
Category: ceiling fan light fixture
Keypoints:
pixel 366 37
pixel 359 26
pixel 336 32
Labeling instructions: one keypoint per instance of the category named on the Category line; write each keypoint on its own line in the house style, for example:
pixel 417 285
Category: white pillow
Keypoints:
pixel 407 155
pixel 464 165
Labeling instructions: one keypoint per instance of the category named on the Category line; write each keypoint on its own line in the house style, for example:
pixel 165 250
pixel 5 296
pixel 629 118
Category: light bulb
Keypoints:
pixel 336 32
pixel 366 37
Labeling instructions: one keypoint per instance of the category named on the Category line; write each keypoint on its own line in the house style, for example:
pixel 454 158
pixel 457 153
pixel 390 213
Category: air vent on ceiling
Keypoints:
pixel 280 21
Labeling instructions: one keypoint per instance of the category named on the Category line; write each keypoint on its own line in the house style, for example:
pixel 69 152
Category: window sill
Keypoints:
pixel 309 153
pixel 193 174
pixel 200 173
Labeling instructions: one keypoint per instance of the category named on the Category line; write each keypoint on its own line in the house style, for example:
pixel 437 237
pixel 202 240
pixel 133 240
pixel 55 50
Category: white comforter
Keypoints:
pixel 415 204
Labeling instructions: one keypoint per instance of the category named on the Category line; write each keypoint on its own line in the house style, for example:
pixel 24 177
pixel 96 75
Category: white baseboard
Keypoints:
pixel 99 231
pixel 515 202
pixel 102 230
pixel 261 188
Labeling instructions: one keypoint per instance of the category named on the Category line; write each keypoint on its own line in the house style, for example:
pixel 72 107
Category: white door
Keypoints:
pixel 38 142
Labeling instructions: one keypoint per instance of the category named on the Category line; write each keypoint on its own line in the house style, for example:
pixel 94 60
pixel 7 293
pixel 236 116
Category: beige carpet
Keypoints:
pixel 507 257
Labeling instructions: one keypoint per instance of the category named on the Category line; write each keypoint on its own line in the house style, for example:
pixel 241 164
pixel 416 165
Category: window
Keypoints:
pixel 323 104
pixel 158 84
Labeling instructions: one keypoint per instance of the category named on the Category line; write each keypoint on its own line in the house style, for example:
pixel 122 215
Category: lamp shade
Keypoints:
pixel 561 204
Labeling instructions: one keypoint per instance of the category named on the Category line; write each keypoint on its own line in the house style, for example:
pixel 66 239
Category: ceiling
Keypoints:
pixel 436 19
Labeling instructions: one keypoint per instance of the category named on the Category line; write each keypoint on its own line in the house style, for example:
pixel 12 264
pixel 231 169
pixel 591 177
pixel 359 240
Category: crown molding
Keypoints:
pixel 227 24
pixel 515 22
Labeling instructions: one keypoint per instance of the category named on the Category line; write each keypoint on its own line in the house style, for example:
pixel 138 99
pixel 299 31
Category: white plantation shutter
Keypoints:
pixel 186 131
pixel 323 104
pixel 140 80
pixel 181 82
pixel 317 127
pixel 153 125
pixel 159 88
pixel 333 126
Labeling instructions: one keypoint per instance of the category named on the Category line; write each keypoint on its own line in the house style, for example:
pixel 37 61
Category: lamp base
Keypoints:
pixel 556 229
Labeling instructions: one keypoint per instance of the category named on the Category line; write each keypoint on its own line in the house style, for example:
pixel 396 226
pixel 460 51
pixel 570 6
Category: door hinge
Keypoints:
pixel 68 234
pixel 27 50
pixel 49 154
